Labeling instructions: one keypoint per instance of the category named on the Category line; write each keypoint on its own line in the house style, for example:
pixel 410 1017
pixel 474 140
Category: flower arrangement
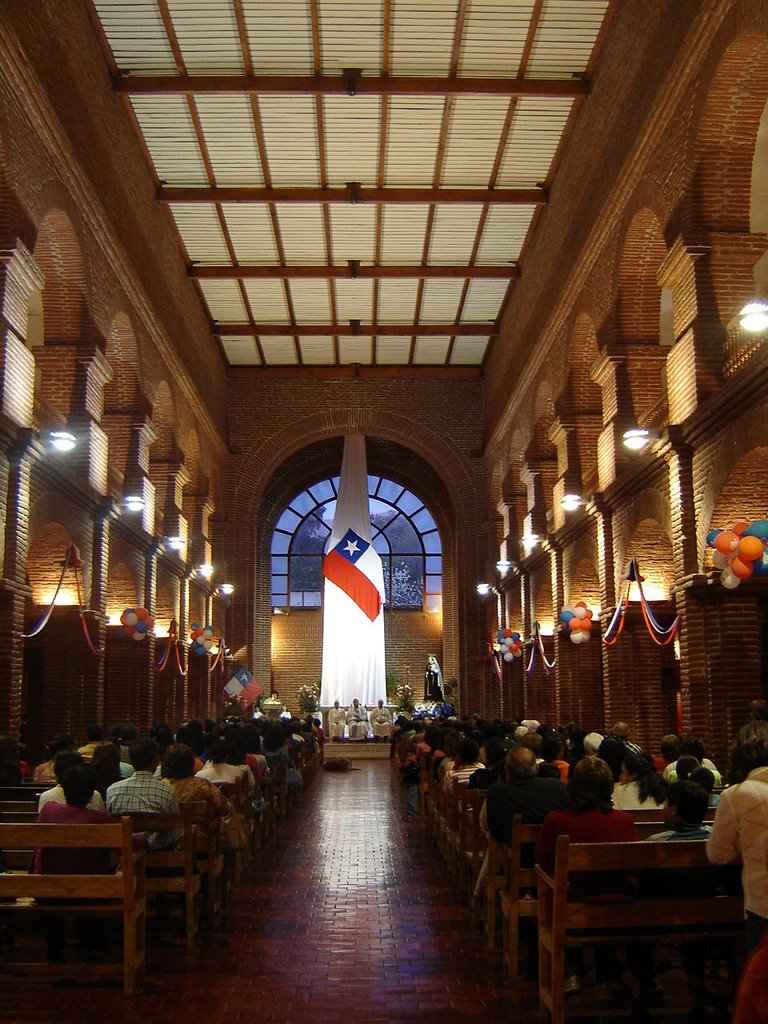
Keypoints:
pixel 308 696
pixel 404 697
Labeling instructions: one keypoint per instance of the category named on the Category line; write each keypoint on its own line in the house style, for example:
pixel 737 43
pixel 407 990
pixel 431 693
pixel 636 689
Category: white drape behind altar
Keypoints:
pixel 353 642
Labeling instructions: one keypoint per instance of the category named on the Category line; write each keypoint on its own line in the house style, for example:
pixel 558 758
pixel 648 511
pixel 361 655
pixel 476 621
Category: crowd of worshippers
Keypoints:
pixel 586 784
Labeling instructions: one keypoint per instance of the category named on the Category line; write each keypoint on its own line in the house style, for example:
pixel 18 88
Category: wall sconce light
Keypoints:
pixel 227 589
pixel 570 502
pixel 529 541
pixel 134 503
pixel 174 543
pixel 636 438
pixel 483 589
pixel 62 440
pixel 205 570
pixel 754 316
pixel 503 566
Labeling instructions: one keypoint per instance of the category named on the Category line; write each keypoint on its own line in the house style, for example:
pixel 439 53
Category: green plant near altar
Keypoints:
pixel 403 697
pixel 393 681
pixel 308 696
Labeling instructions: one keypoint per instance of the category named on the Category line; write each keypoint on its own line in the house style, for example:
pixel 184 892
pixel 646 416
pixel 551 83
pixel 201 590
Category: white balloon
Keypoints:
pixel 720 561
pixel 130 619
pixel 504 649
pixel 580 613
pixel 729 580
pixel 509 656
pixel 577 637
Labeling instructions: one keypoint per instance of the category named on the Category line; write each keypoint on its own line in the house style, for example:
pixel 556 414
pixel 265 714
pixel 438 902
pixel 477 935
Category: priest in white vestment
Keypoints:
pixel 337 720
pixel 357 721
pixel 381 722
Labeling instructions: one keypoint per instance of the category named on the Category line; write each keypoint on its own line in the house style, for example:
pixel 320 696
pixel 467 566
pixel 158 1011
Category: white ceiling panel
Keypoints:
pixel 169 134
pixel 351 36
pixel 566 36
pixel 413 138
pixel 317 351
pixel 473 140
pixel 302 233
pixel 494 36
pixel 230 139
pixel 397 300
pixel 468 351
pixel 267 301
pixel 393 351
pixel 278 351
pixel 504 232
pixel 402 233
pixel 279 36
pixel 483 301
pixel 352 118
pixel 354 299
pixel 241 351
pixel 201 233
pixel 440 303
pixel 250 229
pixel 423 32
pixel 453 234
pixel 355 350
pixel 224 301
pixel 537 128
pixel 136 36
pixel 311 300
pixel 431 351
pixel 207 34
pixel 353 233
pixel 290 135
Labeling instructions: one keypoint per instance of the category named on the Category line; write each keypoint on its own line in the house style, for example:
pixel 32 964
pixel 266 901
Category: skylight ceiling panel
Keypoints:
pixel 393 351
pixel 317 351
pixel 278 351
pixel 397 300
pixel 224 301
pixel 351 35
pixel 504 233
pixel 402 233
pixel 440 302
pixel 494 37
pixel 536 132
pixel 302 232
pixel 201 233
pixel 241 351
pixel 422 36
pixel 137 36
pixel 311 300
pixel 267 301
pixel 354 300
pixel 169 134
pixel 473 140
pixel 207 35
pixel 250 229
pixel 352 138
pixel 565 37
pixel 290 133
pixel 453 234
pixel 413 138
pixel 355 350
pixel 468 351
pixel 430 351
pixel 230 138
pixel 279 36
pixel 483 300
pixel 353 230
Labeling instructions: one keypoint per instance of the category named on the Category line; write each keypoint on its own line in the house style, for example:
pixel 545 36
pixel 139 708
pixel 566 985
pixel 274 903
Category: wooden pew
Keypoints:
pixel 119 896
pixel 209 856
pixel 564 923
pixel 472 841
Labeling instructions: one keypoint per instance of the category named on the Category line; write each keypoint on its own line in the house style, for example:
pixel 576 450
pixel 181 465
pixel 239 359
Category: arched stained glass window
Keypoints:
pixel 402 531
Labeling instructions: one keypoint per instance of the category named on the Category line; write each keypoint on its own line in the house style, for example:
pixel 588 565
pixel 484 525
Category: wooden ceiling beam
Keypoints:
pixel 350 83
pixel 353 194
pixel 351 272
pixel 350 330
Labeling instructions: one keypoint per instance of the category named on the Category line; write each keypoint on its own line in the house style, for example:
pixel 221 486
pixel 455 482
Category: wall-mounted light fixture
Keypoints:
pixel 754 316
pixel 529 542
pixel 62 440
pixel 174 543
pixel 570 502
pixel 205 570
pixel 133 503
pixel 483 589
pixel 636 438
pixel 227 589
pixel 503 566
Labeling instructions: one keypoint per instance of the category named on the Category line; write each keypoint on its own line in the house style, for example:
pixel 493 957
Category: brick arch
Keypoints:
pixel 742 494
pixel 122 590
pixel 543 416
pixel 46 551
pixel 643 251
pixel 166 600
pixel 123 392
pixel 543 610
pixel 584 582
pixel 164 421
pixel 581 399
pixel 193 462
pixel 727 132
pixel 651 544
pixel 58 253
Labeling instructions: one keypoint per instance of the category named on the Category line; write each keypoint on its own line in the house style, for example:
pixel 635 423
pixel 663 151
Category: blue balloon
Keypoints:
pixel 760 566
pixel 501 636
pixel 198 649
pixel 141 626
pixel 516 637
pixel 121 632
pixel 566 616
pixel 757 529
pixel 712 537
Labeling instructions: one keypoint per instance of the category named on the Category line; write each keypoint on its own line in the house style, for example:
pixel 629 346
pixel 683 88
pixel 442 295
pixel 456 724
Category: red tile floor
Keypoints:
pixel 348 916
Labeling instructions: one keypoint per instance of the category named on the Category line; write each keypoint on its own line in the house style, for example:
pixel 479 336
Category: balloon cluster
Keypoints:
pixel 577 622
pixel 136 622
pixel 739 552
pixel 510 645
pixel 202 639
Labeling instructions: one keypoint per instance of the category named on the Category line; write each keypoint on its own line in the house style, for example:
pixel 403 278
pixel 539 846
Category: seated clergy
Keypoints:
pixel 337 720
pixel 381 722
pixel 357 721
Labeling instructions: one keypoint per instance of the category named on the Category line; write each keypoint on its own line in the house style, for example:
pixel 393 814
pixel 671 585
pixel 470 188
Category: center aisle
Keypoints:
pixel 352 919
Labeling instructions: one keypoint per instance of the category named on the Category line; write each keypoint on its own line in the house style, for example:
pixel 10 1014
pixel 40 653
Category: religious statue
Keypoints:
pixel 433 681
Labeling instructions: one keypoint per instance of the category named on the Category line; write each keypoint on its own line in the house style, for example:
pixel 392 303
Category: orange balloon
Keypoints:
pixel 741 570
pixel 750 549
pixel 739 528
pixel 586 624
pixel 574 624
pixel 129 630
pixel 727 542
pixel 141 613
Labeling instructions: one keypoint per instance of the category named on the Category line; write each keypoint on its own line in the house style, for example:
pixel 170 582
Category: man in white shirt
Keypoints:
pixel 381 722
pixel 357 721
pixel 337 721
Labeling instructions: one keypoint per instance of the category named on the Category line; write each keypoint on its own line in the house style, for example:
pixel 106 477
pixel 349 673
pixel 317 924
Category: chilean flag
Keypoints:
pixel 340 566
pixel 353 595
